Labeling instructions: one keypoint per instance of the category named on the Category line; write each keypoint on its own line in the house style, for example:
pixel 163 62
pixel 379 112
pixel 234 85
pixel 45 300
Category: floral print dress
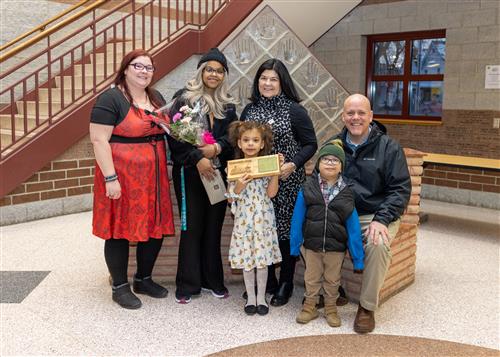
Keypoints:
pixel 254 242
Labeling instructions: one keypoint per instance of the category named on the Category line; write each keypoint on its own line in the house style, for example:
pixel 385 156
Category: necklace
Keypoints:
pixel 143 104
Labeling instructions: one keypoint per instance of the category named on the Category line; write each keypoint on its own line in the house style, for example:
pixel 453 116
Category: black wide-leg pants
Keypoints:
pixel 199 260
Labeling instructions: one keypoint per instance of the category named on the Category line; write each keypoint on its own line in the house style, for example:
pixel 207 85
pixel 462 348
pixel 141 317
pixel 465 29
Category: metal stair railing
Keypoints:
pixel 78 65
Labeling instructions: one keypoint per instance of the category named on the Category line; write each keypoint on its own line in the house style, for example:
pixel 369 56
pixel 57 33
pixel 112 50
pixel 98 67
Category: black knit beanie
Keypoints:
pixel 334 148
pixel 214 55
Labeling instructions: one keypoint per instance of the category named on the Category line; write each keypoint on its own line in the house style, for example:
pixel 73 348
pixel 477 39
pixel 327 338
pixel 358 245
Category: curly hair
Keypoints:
pixel 236 130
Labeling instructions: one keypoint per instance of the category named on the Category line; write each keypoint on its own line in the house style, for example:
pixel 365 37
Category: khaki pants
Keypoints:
pixel 377 260
pixel 323 270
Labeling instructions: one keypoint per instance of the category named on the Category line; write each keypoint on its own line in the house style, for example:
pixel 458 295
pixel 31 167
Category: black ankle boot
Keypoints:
pixel 125 297
pixel 148 287
pixel 342 299
pixel 283 295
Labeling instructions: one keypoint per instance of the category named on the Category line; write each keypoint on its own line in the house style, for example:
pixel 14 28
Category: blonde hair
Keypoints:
pixel 216 103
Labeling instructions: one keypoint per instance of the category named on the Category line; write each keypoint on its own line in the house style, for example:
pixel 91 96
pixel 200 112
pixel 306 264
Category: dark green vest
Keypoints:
pixel 338 210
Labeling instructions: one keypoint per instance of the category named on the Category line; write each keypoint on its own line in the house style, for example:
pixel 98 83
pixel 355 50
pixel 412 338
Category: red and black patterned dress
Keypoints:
pixel 144 209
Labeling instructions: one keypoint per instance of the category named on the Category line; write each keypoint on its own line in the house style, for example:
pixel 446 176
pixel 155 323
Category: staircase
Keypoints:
pixel 47 110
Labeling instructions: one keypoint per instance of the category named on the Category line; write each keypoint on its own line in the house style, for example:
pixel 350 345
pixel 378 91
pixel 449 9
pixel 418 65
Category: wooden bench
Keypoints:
pixel 466 161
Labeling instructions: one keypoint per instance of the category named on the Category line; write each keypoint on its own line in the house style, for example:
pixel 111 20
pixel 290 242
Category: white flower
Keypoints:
pixel 184 108
pixel 186 120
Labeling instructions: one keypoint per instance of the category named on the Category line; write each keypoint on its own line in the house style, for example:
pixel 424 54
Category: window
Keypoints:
pixel 404 75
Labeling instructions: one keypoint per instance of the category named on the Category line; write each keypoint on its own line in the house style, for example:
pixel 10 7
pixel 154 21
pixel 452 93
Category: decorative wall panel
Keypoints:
pixel 267 36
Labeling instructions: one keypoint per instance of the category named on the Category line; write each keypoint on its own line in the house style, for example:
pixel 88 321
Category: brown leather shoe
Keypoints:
pixel 365 320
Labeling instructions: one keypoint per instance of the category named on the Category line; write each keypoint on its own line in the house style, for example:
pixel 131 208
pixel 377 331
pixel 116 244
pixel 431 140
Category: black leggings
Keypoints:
pixel 116 255
pixel 287 267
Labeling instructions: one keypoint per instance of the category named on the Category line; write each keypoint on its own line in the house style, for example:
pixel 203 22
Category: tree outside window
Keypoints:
pixel 405 73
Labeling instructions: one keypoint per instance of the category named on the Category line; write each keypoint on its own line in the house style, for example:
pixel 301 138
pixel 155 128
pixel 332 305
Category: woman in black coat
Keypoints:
pixel 199 260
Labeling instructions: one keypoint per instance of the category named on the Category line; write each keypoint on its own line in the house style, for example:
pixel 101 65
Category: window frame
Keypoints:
pixel 406 77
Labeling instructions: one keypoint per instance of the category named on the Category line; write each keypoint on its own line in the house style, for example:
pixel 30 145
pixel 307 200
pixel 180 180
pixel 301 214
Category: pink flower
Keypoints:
pixel 177 117
pixel 208 138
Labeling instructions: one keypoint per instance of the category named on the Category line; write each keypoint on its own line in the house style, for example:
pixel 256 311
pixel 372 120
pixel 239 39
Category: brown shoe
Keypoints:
pixel 331 313
pixel 365 320
pixel 309 311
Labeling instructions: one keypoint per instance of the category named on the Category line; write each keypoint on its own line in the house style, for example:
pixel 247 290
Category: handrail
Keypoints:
pixel 53 75
pixel 56 87
pixel 50 31
pixel 43 25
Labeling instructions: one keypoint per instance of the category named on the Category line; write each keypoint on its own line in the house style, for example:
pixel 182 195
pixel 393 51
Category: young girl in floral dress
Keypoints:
pixel 254 242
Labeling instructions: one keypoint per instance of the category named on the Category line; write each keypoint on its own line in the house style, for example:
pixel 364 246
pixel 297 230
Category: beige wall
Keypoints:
pixel 472 42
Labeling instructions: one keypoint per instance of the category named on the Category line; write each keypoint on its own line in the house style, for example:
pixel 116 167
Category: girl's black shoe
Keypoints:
pixel 250 309
pixel 262 310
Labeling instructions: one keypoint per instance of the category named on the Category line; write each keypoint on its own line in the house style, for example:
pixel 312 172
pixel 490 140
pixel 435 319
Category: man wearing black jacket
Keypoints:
pixel 377 173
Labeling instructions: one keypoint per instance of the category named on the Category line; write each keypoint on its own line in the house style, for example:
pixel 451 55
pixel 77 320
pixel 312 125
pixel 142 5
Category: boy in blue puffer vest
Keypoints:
pixel 326 223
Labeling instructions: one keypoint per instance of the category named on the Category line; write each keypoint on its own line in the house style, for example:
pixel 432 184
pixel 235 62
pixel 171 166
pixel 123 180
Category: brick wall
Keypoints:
pixel 484 180
pixel 62 186
pixel 57 179
pixel 472 42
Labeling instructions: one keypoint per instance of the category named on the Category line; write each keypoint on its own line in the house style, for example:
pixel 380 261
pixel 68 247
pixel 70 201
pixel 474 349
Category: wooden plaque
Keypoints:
pixel 259 166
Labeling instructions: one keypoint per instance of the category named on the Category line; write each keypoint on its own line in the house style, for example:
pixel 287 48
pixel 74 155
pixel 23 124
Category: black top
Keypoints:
pixel 188 155
pixel 378 175
pixel 112 107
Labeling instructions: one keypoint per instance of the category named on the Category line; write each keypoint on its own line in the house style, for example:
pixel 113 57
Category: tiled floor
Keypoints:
pixel 455 296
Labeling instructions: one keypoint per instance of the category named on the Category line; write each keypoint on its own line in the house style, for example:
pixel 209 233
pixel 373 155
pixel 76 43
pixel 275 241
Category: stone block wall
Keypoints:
pixel 472 42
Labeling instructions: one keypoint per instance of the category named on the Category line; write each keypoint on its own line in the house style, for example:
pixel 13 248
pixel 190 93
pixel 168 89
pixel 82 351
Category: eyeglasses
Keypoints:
pixel 211 70
pixel 139 67
pixel 330 160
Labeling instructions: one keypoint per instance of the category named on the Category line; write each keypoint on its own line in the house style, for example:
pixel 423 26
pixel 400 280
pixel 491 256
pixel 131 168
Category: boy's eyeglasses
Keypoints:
pixel 330 161
pixel 139 67
pixel 211 70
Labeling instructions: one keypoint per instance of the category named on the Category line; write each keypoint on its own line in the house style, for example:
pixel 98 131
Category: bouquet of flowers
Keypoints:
pixel 188 125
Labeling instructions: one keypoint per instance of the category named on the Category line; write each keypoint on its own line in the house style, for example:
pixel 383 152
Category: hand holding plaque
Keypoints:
pixel 259 166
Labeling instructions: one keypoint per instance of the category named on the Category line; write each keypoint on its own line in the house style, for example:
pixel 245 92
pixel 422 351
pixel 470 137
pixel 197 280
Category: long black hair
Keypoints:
pixel 286 82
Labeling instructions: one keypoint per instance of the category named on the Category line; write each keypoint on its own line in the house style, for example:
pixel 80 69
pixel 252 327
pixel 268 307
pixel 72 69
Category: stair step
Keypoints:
pixel 7 136
pixel 43 94
pixel 119 46
pixel 99 58
pixel 78 81
pixel 6 122
pixel 99 68
pixel 43 107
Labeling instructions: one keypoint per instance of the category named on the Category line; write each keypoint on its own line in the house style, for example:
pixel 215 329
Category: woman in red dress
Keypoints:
pixel 131 187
